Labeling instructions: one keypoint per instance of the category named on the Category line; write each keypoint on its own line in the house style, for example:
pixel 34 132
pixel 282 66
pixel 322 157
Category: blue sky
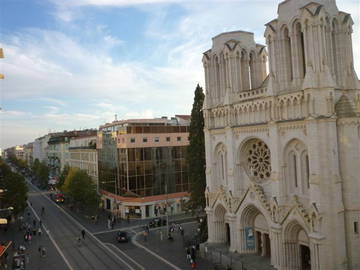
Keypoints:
pixel 75 64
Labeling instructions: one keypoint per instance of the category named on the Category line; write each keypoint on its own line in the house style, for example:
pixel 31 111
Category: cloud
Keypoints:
pixel 58 67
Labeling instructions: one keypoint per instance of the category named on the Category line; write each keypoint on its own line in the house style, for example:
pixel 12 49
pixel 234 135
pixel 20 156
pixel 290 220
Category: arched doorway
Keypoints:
pixel 297 248
pixel 222 230
pixel 255 230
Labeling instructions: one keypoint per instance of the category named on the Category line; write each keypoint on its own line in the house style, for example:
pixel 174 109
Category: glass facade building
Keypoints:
pixel 143 158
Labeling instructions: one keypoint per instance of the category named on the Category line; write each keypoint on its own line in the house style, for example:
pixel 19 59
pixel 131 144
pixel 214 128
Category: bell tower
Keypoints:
pixel 310 46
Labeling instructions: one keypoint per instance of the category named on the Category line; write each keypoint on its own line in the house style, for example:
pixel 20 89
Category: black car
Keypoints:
pixel 122 237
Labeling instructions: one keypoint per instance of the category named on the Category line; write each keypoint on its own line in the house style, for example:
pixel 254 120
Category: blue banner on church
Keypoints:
pixel 250 237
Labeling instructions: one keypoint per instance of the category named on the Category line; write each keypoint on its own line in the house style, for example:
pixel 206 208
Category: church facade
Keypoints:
pixel 282 136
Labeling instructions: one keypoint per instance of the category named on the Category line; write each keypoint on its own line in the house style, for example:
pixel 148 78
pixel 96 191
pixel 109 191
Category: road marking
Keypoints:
pixel 52 239
pixel 138 226
pixel 87 231
pixel 133 240
pixel 127 256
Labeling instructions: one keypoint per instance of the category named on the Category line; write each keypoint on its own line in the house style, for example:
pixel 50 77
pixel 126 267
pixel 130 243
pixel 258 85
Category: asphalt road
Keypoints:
pixel 64 231
pixel 143 258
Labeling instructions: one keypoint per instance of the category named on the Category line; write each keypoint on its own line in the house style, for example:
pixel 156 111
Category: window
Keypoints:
pixel 168 139
pixel 178 139
pixel 132 140
pixel 356 227
pixel 222 167
pixel 307 171
pixel 144 139
pixel 156 139
pixel 295 170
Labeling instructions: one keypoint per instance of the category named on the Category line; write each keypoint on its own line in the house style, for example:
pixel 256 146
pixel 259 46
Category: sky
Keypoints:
pixel 75 64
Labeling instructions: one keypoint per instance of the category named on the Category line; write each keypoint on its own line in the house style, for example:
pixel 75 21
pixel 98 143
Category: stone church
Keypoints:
pixel 282 134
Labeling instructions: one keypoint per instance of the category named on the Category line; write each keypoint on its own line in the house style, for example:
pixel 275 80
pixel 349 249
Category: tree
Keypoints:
pixel 196 153
pixel 16 189
pixel 43 174
pixel 63 176
pixel 35 166
pixel 79 186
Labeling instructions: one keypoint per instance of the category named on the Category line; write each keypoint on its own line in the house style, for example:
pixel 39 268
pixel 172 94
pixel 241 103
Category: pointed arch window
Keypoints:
pixel 288 56
pixel 221 164
pixel 297 167
pixel 299 35
pixel 335 48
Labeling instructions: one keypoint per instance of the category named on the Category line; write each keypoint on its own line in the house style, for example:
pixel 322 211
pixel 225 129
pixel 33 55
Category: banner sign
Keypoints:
pixel 250 238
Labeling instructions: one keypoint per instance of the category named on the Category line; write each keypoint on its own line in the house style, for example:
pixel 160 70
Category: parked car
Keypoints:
pixel 122 237
pixel 157 222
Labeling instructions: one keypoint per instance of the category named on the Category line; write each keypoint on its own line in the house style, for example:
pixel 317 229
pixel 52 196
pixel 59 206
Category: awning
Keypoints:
pixel 3 248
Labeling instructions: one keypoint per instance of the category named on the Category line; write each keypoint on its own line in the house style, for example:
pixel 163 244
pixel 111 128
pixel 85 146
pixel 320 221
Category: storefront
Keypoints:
pixel 145 207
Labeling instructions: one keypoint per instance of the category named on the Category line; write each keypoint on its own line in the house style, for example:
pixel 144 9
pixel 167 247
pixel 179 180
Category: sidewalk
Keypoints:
pixel 102 224
pixel 174 250
pixel 34 261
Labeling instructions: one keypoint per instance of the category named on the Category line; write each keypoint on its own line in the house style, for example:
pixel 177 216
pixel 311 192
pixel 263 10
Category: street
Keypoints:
pixel 64 230
pixel 99 250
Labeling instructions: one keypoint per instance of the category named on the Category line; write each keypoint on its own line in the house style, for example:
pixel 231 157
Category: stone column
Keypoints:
pixel 143 211
pixel 211 225
pixel 276 246
pixel 231 219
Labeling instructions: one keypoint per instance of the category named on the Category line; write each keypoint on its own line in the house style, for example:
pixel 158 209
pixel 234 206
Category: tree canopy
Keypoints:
pixel 41 170
pixel 15 194
pixel 196 153
pixel 79 186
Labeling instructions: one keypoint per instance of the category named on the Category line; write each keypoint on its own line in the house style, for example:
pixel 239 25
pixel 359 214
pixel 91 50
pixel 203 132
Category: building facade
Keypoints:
pixel 141 158
pixel 28 154
pixel 40 146
pixel 58 149
pixel 83 154
pixel 283 148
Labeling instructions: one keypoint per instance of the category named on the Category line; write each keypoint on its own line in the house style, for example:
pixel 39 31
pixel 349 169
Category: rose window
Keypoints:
pixel 257 162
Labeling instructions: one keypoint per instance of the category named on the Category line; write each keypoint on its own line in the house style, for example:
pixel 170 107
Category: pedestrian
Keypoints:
pixel 113 220
pixel 39 231
pixel 193 252
pixel 27 258
pixel 34 231
pixel 83 234
pixel 188 255
pixel 145 235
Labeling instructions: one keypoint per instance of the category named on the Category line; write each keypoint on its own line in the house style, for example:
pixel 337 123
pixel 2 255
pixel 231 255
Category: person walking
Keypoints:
pixel 83 234
pixel 39 231
pixel 193 253
pixel 188 255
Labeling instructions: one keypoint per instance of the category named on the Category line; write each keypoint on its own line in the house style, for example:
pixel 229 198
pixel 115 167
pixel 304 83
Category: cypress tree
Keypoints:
pixel 196 153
